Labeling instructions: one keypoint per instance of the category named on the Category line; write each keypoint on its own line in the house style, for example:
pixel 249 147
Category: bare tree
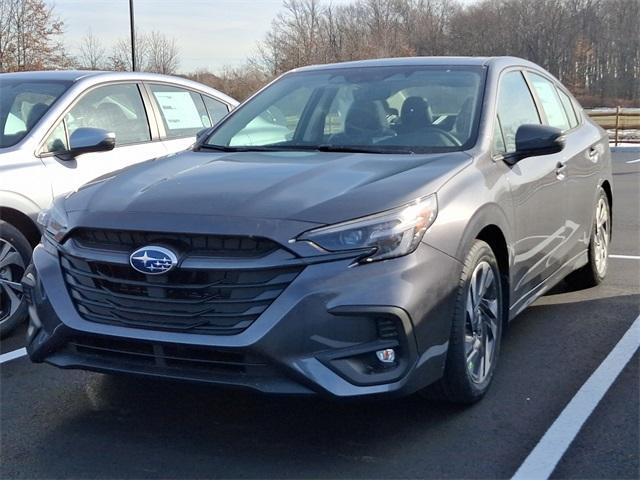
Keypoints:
pixel 155 52
pixel 92 53
pixel 7 8
pixel 29 36
pixel 120 58
pixel 163 54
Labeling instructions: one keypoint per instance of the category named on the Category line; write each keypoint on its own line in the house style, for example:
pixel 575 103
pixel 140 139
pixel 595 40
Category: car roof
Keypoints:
pixel 424 61
pixel 95 76
pixel 62 75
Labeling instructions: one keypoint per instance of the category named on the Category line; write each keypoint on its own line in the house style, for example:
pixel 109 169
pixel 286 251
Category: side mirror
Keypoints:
pixel 86 140
pixel 533 140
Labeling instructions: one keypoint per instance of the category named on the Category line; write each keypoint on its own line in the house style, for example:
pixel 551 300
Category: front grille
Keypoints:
pixel 220 301
pixel 194 245
pixel 167 355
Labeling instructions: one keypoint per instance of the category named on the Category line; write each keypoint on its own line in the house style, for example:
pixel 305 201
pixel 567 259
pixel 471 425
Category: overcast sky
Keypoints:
pixel 209 33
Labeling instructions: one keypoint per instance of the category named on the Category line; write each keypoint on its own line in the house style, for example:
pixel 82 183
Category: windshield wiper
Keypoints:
pixel 364 149
pixel 224 148
pixel 319 148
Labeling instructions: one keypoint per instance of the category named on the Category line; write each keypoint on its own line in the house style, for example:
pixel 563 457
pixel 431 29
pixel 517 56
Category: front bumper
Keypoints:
pixel 319 336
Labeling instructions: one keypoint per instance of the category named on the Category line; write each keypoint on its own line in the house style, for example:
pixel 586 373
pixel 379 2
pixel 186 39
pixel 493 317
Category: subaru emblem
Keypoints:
pixel 153 260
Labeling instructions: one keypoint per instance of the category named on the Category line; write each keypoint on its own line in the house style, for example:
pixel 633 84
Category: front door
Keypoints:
pixel 116 108
pixel 539 195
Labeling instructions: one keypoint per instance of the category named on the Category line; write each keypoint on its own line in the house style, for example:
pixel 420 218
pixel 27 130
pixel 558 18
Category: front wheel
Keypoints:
pixel 15 255
pixel 476 330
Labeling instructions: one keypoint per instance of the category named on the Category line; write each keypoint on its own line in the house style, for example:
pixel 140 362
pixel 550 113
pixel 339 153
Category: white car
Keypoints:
pixel 61 129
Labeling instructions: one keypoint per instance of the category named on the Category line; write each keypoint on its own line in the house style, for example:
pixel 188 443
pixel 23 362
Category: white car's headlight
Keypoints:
pixel 53 222
pixel 388 234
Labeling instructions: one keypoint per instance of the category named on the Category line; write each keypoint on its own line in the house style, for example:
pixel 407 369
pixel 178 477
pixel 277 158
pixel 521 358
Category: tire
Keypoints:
pixel 476 328
pixel 595 271
pixel 15 256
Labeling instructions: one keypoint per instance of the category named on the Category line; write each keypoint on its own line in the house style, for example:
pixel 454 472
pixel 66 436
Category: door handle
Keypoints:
pixel 561 170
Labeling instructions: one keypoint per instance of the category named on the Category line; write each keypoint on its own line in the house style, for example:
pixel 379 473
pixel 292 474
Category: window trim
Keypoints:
pixel 162 132
pixel 61 118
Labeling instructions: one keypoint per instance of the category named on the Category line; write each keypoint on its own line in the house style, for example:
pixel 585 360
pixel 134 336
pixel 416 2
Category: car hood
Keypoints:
pixel 318 187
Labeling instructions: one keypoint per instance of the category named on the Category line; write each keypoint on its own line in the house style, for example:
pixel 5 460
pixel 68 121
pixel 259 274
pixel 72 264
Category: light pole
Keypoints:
pixel 133 37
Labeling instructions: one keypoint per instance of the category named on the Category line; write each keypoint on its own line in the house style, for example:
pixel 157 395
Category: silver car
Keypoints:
pixel 59 130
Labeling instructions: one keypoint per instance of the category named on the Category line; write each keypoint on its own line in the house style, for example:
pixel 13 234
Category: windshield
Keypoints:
pixel 22 104
pixel 403 109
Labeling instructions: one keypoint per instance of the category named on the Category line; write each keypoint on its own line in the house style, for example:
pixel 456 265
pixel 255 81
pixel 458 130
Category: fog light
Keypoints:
pixel 388 355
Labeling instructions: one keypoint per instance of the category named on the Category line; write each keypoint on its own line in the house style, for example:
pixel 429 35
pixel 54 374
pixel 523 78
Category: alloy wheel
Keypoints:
pixel 601 239
pixel 481 322
pixel 12 268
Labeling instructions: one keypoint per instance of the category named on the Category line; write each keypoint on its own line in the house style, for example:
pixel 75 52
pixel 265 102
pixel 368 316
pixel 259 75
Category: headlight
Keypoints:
pixel 53 222
pixel 389 234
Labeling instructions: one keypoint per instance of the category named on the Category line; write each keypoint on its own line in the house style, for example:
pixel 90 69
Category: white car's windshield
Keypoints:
pixel 406 109
pixel 22 104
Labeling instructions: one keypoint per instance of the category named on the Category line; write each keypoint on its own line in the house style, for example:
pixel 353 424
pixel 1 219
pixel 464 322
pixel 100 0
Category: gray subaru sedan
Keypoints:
pixel 400 213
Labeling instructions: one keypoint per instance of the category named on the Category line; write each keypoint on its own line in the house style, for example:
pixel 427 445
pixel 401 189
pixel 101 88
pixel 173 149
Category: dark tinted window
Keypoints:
pixel 183 111
pixel 548 96
pixel 515 107
pixel 22 105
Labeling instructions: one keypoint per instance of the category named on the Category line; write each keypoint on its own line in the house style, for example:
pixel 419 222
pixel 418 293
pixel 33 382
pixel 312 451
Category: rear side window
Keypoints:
pixel 216 109
pixel 515 108
pixel 568 108
pixel 548 96
pixel 183 112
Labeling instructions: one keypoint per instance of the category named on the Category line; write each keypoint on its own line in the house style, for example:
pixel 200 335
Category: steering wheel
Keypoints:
pixel 417 138
pixel 444 134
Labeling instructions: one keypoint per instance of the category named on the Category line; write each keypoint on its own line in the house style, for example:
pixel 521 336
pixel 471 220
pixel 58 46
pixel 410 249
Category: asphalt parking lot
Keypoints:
pixel 76 424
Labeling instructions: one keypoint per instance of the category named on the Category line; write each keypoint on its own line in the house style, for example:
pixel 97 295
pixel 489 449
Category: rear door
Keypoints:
pixel 539 198
pixel 580 157
pixel 116 107
pixel 182 113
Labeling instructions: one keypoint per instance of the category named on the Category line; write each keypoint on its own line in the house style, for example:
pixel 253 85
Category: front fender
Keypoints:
pixel 20 203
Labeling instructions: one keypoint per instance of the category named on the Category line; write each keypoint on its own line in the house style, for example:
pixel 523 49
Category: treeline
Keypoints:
pixel 593 46
pixel 31 39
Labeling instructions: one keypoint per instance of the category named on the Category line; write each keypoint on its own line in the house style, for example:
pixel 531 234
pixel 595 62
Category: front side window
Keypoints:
pixel 57 140
pixel 22 105
pixel 548 96
pixel 183 112
pixel 400 109
pixel 515 108
pixel 115 108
